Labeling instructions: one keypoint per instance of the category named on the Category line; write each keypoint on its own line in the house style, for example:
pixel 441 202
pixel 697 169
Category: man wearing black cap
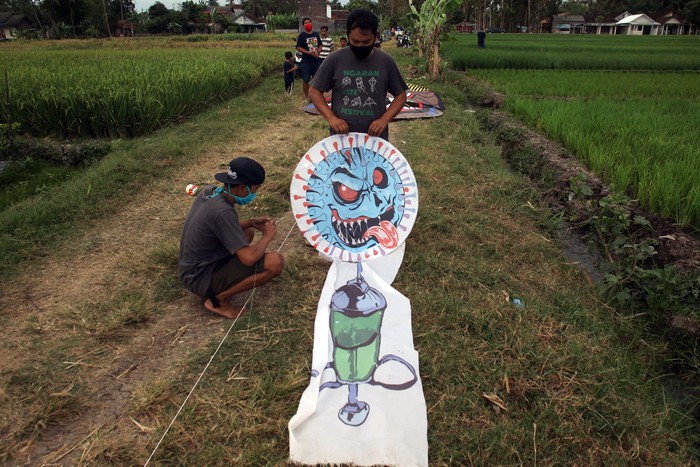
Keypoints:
pixel 217 259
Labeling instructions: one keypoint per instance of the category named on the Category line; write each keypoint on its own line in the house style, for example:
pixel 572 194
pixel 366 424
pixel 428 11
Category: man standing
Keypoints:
pixel 309 44
pixel 360 76
pixel 481 39
pixel 328 45
pixel 217 258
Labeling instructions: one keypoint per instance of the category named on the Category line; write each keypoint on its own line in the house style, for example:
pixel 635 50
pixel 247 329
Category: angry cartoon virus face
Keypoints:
pixel 354 197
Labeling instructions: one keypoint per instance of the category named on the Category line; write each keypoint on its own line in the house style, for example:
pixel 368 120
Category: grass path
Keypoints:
pixel 102 344
pixel 94 288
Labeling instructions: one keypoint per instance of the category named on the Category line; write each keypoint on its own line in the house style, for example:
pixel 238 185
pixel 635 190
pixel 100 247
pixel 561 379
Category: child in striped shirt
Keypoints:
pixel 327 42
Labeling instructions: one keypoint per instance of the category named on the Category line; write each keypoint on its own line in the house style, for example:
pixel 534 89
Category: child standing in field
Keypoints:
pixel 327 42
pixel 289 69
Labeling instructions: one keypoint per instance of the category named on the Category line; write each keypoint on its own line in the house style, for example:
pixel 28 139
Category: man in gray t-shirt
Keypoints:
pixel 217 259
pixel 360 77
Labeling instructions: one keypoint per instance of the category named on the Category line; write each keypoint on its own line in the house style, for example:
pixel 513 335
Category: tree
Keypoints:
pixel 691 11
pixel 362 4
pixel 430 20
pixel 159 18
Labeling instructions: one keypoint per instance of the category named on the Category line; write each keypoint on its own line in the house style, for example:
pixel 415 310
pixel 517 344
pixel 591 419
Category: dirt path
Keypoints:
pixel 104 263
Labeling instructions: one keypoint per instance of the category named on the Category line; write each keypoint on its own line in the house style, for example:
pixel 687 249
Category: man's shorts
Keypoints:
pixel 308 70
pixel 230 271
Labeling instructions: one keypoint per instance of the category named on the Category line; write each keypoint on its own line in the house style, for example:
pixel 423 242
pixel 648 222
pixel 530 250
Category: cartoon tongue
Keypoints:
pixel 385 233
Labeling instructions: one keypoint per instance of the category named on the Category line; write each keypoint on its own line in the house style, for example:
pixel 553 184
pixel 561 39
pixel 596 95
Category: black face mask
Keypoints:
pixel 361 52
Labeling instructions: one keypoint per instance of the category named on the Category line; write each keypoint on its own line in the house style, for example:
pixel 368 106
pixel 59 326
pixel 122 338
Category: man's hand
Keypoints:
pixel 269 229
pixel 377 127
pixel 339 125
pixel 258 222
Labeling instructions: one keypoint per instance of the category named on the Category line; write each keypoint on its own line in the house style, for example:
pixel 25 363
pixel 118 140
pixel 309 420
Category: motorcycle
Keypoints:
pixel 404 40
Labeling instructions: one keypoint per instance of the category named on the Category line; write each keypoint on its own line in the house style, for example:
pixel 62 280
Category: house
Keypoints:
pixel 672 23
pixel 565 24
pixel 604 26
pixel 235 13
pixel 339 17
pixel 663 22
pixel 319 11
pixel 465 26
pixel 124 28
pixel 637 25
pixel 11 24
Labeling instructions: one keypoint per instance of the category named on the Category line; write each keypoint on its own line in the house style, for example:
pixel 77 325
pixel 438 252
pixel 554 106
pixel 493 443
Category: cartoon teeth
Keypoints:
pixel 351 232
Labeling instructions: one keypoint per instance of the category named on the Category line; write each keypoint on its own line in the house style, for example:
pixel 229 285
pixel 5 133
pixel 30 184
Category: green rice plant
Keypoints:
pixel 643 145
pixel 638 129
pixel 559 52
pixel 125 93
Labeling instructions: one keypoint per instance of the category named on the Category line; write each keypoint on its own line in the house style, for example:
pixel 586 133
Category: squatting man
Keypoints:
pixel 218 258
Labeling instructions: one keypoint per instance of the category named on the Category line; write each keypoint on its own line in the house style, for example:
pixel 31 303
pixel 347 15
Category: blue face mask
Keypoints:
pixel 245 200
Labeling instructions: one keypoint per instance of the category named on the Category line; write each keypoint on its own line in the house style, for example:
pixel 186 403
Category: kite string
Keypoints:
pixel 250 299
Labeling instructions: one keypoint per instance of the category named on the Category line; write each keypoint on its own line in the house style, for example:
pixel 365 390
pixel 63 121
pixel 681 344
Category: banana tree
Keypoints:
pixel 430 20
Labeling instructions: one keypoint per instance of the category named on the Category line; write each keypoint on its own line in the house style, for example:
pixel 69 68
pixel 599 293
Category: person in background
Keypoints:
pixel 289 69
pixel 360 76
pixel 343 42
pixel 328 45
pixel 309 44
pixel 218 258
pixel 481 39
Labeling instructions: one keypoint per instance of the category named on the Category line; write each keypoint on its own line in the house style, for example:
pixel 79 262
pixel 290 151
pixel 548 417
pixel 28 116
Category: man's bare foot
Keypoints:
pixel 225 309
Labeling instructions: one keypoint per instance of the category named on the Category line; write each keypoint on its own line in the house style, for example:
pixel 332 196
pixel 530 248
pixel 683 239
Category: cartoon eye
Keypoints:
pixel 380 178
pixel 345 193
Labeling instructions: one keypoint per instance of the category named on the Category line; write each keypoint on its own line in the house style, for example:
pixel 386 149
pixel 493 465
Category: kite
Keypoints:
pixel 420 103
pixel 355 199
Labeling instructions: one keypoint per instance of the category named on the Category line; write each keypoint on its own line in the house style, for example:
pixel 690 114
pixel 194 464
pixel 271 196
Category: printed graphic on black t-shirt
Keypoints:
pixel 358 88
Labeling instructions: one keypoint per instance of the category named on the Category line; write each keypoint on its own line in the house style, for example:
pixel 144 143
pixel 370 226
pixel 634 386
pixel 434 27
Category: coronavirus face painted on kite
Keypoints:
pixel 354 197
pixel 356 200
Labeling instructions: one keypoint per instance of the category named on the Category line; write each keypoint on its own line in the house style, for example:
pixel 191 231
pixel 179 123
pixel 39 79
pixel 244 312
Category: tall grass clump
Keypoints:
pixel 125 92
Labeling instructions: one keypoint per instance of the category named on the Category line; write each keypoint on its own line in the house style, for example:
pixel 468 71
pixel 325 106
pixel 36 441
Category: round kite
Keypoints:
pixel 354 197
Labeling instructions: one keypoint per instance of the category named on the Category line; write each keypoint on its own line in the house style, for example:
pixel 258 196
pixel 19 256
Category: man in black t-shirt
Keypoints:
pixel 360 77
pixel 309 44
pixel 481 39
pixel 217 259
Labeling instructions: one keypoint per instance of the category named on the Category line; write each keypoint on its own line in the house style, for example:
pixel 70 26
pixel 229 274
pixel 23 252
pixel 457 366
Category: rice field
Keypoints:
pixel 127 88
pixel 629 107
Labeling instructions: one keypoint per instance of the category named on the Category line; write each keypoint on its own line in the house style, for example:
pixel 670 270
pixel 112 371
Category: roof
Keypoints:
pixel 569 19
pixel 12 20
pixel 666 15
pixel 236 13
pixel 640 18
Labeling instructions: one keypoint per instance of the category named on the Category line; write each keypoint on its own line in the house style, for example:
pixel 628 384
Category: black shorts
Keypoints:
pixel 308 70
pixel 230 271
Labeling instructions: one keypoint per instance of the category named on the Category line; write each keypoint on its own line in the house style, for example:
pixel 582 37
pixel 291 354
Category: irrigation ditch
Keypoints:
pixel 647 267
